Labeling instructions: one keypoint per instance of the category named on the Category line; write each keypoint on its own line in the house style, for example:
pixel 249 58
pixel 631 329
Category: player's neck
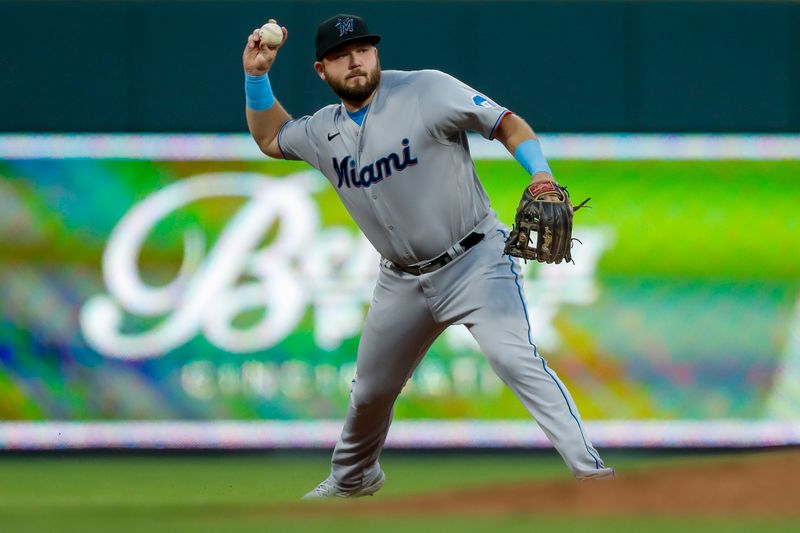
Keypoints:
pixel 352 107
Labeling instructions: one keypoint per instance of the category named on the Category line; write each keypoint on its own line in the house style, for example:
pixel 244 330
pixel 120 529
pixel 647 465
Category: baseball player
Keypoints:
pixel 395 149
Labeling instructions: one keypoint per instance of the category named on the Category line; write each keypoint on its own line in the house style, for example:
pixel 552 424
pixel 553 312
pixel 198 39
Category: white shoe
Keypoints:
pixel 603 473
pixel 328 488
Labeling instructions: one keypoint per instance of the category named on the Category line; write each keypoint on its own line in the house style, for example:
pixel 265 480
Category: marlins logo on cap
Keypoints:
pixel 345 25
pixel 341 29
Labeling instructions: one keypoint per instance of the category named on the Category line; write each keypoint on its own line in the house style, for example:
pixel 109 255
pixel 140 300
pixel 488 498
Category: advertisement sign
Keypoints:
pixel 177 286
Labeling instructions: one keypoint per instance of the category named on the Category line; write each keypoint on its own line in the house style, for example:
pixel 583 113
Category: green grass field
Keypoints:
pixel 202 493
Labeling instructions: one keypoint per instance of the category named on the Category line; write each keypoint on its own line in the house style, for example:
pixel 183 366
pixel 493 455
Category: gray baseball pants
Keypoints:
pixel 482 289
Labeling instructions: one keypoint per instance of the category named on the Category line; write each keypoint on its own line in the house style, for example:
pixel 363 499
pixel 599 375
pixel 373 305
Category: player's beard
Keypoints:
pixel 358 93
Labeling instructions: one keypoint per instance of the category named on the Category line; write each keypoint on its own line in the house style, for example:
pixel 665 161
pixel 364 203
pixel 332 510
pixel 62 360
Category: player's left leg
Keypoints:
pixel 489 300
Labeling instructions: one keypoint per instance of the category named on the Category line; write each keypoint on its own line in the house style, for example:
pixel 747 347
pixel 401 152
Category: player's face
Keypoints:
pixel 352 70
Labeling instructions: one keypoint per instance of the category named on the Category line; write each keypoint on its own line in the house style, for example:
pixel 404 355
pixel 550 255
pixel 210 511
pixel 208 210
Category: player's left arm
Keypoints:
pixel 543 221
pixel 450 107
pixel 521 142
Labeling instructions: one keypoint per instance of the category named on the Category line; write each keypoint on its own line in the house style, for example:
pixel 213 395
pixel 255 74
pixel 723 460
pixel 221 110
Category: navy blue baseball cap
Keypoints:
pixel 342 29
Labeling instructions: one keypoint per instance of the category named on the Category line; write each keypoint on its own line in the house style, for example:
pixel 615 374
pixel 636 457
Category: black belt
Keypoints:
pixel 438 262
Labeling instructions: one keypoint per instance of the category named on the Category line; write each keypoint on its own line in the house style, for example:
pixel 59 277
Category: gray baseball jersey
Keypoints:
pixel 405 175
pixel 407 178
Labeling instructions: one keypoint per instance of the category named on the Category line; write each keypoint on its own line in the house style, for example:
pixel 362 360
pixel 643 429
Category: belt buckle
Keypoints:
pixel 422 268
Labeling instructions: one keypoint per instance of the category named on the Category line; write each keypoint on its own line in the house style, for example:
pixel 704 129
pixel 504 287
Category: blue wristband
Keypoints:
pixel 258 92
pixel 530 156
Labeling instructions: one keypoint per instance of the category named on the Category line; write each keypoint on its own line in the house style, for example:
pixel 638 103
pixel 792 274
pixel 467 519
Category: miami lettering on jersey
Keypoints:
pixel 374 172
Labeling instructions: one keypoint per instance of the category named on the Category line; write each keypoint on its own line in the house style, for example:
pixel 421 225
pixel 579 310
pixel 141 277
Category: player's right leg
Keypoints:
pixel 398 330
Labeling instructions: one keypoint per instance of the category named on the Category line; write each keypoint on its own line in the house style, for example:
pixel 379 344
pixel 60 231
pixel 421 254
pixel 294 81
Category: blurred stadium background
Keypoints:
pixel 165 286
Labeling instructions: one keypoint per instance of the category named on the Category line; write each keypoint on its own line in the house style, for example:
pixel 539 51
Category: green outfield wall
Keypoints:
pixel 570 66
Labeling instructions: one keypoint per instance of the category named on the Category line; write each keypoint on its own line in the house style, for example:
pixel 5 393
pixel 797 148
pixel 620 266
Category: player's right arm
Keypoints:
pixel 265 115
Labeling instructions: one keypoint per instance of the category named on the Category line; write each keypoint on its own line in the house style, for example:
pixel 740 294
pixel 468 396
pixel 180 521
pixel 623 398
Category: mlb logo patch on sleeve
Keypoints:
pixel 482 101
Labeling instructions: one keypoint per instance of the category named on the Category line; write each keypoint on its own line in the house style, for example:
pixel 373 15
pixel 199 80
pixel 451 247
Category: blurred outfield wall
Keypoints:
pixel 189 279
pixel 566 66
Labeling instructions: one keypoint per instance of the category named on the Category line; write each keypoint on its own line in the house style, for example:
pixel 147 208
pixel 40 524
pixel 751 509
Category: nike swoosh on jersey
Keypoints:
pixel 330 137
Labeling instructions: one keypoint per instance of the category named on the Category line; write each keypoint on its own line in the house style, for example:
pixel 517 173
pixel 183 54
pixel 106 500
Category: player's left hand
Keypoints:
pixel 545 212
pixel 553 196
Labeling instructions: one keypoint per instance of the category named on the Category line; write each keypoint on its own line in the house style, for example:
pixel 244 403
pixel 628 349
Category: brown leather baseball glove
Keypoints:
pixel 544 214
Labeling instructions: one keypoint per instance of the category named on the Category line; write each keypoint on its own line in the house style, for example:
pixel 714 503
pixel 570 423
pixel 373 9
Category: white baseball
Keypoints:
pixel 271 34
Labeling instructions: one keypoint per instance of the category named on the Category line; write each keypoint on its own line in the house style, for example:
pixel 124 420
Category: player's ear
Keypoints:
pixel 320 68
